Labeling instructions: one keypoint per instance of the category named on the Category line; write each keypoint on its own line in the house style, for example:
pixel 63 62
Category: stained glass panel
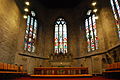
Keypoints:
pixel 116 12
pixel 60 36
pixel 118 7
pixel 95 32
pixel 91 33
pixel 87 34
pixel 56 38
pixel 30 33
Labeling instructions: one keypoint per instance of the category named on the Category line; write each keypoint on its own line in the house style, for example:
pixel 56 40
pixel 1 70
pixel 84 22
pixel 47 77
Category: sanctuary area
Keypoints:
pixel 59 39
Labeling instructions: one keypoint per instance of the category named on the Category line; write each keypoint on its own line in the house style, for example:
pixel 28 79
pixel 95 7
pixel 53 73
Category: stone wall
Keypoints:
pixel 12 30
pixel 108 39
pixel 47 18
pixel 74 17
pixel 9 29
pixel 28 62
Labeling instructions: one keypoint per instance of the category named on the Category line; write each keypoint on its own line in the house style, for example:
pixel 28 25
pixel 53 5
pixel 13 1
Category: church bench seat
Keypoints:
pixel 11 70
pixel 10 67
pixel 3 72
pixel 5 66
pixel 112 70
pixel 9 74
pixel 1 66
pixel 114 66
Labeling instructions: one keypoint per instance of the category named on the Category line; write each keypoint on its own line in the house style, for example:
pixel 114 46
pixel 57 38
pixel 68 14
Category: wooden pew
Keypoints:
pixel 112 70
pixel 11 69
pixel 5 66
pixel 1 66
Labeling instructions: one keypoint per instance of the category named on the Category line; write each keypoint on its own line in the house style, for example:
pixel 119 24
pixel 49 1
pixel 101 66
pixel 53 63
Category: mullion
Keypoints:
pixel 62 39
pixel 58 38
pixel 60 28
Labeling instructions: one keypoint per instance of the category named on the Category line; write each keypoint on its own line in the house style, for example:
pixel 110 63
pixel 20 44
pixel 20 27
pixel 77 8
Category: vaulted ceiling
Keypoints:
pixel 57 3
pixel 52 3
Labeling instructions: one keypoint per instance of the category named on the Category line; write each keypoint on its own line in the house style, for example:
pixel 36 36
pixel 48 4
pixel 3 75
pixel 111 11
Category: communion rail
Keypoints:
pixel 60 70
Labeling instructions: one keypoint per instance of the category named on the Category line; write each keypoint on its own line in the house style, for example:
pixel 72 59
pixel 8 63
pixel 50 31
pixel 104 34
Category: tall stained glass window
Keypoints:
pixel 116 11
pixel 60 36
pixel 91 34
pixel 30 33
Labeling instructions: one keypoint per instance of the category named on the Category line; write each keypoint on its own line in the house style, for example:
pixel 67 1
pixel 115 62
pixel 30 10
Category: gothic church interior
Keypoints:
pixel 78 35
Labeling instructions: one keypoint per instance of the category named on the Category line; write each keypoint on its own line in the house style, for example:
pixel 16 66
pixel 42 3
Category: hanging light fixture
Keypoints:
pixel 26 9
pixel 94 3
pixel 96 17
pixel 25 16
pixel 27 3
pixel 95 10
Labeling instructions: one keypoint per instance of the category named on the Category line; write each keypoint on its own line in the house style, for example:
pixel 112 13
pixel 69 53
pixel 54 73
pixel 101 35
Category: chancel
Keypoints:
pixel 59 39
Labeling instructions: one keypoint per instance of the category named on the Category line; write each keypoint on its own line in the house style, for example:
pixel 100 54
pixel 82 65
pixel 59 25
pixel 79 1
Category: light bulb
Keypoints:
pixel 96 17
pixel 95 10
pixel 26 9
pixel 94 3
pixel 25 16
pixel 27 3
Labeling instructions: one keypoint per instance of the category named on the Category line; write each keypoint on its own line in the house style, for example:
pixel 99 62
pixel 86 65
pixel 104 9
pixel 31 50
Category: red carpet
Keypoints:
pixel 94 78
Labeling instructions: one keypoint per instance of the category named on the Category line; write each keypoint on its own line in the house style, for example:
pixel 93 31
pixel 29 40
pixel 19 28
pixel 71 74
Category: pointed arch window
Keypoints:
pixel 60 36
pixel 116 11
pixel 91 33
pixel 30 33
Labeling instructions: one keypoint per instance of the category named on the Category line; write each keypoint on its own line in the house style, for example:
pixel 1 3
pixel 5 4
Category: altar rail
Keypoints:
pixel 60 70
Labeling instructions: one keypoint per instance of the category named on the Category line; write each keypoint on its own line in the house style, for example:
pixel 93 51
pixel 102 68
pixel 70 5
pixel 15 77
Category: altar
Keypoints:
pixel 60 64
